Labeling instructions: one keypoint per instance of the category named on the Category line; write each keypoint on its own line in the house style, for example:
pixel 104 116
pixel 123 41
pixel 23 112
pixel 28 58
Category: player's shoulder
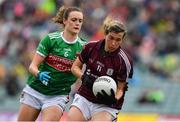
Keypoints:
pixel 82 41
pixel 54 35
pixel 92 43
pixel 125 54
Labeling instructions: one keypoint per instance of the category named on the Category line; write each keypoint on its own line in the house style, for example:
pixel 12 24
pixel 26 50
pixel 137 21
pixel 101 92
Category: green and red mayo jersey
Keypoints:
pixel 60 55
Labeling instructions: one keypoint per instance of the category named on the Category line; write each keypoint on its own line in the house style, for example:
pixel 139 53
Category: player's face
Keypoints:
pixel 74 22
pixel 113 41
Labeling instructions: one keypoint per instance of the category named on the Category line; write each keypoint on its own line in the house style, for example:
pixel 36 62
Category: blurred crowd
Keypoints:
pixel 153 33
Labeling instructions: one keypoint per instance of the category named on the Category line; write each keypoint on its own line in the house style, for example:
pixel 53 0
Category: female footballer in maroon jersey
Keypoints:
pixel 105 57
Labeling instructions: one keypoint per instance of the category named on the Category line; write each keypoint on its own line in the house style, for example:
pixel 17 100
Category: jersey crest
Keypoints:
pixel 109 71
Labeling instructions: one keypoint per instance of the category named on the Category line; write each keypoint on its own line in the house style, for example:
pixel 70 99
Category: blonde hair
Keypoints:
pixel 113 25
pixel 63 14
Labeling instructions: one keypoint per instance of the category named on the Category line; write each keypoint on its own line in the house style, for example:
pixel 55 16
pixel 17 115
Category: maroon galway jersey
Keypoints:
pixel 117 65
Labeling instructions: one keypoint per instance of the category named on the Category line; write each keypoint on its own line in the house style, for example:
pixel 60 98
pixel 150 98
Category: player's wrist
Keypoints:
pixel 37 74
pixel 87 80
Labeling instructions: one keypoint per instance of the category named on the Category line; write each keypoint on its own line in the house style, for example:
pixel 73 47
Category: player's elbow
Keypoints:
pixel 73 69
pixel 32 70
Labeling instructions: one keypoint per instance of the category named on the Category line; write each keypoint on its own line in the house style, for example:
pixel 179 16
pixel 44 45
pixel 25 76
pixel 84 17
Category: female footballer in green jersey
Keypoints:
pixel 50 79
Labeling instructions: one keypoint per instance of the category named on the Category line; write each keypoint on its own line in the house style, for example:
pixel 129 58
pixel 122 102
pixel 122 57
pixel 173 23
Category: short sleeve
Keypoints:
pixel 122 74
pixel 131 72
pixel 44 46
pixel 86 52
pixel 126 67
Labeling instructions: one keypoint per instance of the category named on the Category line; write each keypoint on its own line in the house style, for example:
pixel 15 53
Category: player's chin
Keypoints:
pixel 75 31
pixel 111 50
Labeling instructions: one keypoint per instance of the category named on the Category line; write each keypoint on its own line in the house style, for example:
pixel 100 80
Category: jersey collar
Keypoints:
pixel 61 34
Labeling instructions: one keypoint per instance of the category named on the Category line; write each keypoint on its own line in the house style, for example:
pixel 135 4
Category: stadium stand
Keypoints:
pixel 153 40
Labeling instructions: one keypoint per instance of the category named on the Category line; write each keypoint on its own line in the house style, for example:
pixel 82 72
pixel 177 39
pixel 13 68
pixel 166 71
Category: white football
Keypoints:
pixel 105 83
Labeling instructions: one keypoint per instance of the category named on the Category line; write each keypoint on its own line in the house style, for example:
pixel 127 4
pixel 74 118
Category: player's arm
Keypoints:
pixel 76 68
pixel 43 76
pixel 40 55
pixel 43 50
pixel 120 89
pixel 76 86
pixel 37 60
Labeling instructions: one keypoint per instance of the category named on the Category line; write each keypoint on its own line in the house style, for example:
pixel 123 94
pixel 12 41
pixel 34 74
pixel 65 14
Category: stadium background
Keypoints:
pixel 153 40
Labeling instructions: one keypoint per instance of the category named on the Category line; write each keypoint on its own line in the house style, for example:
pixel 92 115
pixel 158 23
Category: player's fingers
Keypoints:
pixel 47 76
pixel 46 72
pixel 112 92
pixel 99 95
pixel 104 93
pixel 46 79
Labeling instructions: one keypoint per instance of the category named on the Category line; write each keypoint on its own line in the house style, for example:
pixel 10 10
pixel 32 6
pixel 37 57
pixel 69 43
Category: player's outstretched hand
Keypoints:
pixel 44 77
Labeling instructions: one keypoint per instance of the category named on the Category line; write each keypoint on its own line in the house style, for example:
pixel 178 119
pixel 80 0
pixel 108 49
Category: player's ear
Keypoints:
pixel 64 21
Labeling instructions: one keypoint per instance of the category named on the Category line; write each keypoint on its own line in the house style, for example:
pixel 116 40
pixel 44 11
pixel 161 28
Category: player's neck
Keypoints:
pixel 69 36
